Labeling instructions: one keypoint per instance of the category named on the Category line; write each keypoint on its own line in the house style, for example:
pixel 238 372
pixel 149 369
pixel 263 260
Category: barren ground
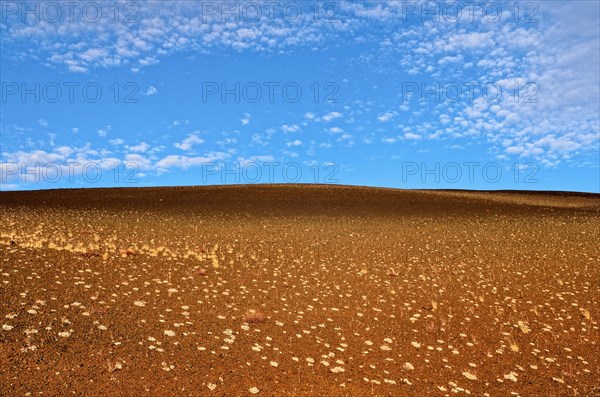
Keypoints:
pixel 291 290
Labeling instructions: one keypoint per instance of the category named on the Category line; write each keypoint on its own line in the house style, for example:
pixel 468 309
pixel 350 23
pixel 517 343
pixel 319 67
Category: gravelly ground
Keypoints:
pixel 299 290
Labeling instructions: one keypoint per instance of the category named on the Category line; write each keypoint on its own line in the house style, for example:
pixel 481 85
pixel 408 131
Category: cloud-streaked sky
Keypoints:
pixel 491 95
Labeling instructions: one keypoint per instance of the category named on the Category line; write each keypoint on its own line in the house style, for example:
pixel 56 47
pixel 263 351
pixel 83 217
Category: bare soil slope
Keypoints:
pixel 291 290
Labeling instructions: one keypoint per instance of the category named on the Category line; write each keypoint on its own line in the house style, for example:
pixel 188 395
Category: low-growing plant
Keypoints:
pixel 254 317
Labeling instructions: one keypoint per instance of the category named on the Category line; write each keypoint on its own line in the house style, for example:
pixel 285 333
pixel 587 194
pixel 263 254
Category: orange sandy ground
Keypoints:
pixel 291 290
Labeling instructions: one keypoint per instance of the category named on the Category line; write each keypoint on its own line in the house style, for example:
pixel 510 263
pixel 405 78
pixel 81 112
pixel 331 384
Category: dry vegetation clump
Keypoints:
pixel 254 317
pixel 112 367
pixel 392 272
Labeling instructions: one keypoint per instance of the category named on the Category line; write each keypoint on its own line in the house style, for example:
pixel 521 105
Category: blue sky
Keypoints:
pixel 382 93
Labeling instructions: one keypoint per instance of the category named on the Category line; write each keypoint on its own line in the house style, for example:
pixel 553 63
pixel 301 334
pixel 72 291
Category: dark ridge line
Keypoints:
pixel 319 185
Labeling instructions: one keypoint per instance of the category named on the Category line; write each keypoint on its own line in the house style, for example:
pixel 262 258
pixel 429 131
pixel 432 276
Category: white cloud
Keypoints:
pixel 258 139
pixel 64 151
pixel 559 55
pixel 184 162
pixel 69 160
pixel 141 147
pixel 116 142
pixel 151 91
pixel 158 32
pixel 450 59
pixel 43 123
pixel 102 132
pixel 140 161
pixel 293 143
pixel 256 159
pixel 331 116
pixel 94 54
pixel 227 141
pixel 387 116
pixel 246 119
pixel 72 160
pixel 177 123
pixel 514 149
pixel 189 142
pixel 290 128
pixel 412 136
pixel 336 130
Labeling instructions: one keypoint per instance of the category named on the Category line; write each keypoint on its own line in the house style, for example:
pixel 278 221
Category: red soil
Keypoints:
pixel 299 290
